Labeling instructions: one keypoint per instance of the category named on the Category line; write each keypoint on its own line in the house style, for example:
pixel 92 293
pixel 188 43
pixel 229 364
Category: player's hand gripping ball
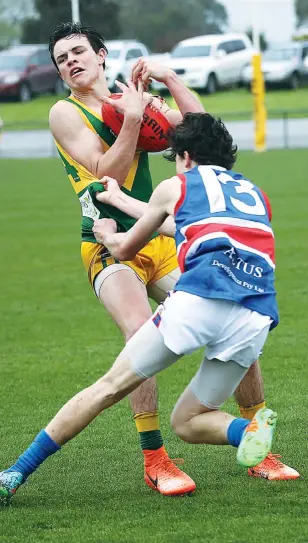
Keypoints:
pixel 153 130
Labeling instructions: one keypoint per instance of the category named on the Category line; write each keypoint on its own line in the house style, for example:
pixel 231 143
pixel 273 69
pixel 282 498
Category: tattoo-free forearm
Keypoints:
pixel 131 206
pixel 185 99
pixel 117 161
pixel 136 208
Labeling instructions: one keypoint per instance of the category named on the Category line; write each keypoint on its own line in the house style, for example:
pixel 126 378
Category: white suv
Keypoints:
pixel 119 53
pixel 209 62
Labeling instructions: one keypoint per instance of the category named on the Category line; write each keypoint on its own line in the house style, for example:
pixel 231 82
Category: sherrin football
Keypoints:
pixel 153 131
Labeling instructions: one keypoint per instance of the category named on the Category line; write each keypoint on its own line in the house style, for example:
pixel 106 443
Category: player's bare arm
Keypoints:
pixel 112 195
pixel 147 69
pixel 69 129
pixel 126 246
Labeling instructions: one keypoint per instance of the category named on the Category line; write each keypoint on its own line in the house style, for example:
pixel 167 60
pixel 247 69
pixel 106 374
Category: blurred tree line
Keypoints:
pixel 262 38
pixel 11 16
pixel 158 23
pixel 162 23
pixel 301 8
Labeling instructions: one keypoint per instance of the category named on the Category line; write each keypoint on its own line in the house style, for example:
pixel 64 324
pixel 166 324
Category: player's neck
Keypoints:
pixel 92 97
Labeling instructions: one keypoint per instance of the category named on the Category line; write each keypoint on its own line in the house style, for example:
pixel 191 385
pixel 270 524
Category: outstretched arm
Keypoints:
pixel 126 246
pixel 145 69
pixel 112 195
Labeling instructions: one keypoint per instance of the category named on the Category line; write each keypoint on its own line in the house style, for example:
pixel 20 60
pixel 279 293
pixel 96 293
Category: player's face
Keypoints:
pixel 77 62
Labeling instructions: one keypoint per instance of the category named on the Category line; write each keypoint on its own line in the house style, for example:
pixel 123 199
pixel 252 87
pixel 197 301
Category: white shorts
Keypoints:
pixel 212 385
pixel 233 335
pixel 228 330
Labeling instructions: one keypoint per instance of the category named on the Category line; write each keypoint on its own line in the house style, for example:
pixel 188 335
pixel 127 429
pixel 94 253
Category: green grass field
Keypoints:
pixel 56 339
pixel 229 104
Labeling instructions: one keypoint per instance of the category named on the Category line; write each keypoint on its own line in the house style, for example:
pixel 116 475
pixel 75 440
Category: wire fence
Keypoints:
pixel 285 129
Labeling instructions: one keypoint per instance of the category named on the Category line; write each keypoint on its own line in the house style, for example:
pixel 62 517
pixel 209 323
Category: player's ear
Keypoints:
pixel 102 56
pixel 187 160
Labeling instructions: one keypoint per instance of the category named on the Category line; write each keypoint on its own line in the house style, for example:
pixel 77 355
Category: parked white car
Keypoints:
pixel 119 53
pixel 282 65
pixel 210 62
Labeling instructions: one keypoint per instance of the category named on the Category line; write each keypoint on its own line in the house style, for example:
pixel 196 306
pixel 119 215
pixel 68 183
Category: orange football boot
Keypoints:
pixel 162 474
pixel 273 469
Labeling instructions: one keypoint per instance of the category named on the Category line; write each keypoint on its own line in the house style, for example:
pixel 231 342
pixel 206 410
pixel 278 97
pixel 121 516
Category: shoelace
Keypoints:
pixel 272 461
pixel 169 463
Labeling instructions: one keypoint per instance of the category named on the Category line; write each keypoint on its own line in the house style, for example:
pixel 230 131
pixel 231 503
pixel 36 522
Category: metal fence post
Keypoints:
pixel 285 121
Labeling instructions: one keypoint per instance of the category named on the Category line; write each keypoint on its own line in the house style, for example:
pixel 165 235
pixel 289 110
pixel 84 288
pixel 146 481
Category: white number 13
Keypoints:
pixel 212 184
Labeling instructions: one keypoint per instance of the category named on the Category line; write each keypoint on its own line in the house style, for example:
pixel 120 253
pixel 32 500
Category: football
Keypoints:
pixel 153 131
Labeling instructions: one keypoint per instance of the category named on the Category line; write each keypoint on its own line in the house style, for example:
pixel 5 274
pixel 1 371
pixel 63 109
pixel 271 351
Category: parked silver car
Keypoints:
pixel 283 65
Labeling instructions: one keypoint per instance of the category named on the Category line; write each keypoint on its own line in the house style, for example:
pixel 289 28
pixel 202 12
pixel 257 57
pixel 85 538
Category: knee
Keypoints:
pixel 181 426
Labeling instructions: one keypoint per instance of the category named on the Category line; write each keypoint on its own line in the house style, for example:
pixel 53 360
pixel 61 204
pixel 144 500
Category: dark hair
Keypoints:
pixel 67 30
pixel 206 140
